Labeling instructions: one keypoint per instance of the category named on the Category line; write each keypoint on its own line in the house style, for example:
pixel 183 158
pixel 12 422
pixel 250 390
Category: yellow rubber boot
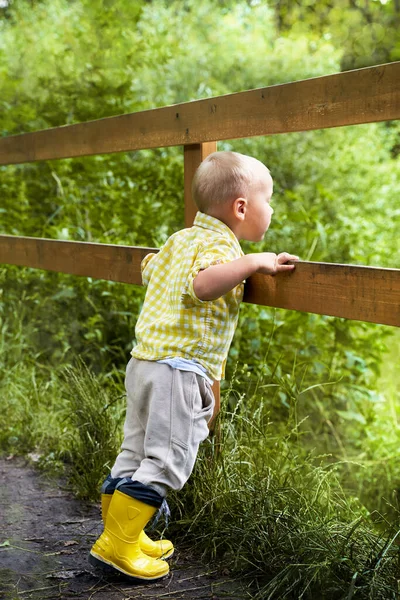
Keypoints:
pixel 118 548
pixel 105 504
pixel 157 549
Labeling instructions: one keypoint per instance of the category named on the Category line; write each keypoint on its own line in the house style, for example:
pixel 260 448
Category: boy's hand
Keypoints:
pixel 217 280
pixel 271 263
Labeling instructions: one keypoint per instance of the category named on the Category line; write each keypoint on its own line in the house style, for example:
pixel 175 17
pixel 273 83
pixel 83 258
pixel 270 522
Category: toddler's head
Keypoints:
pixel 236 189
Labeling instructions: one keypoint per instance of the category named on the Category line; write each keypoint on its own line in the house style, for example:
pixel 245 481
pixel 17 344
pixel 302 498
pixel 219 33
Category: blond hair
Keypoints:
pixel 225 176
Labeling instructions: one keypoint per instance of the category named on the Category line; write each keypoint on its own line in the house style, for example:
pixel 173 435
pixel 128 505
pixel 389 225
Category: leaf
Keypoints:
pixel 350 415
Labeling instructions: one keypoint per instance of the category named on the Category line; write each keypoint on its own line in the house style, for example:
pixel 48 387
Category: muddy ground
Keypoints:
pixel 45 537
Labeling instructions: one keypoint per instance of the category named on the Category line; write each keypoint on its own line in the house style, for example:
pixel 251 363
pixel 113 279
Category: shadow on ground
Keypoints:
pixel 45 537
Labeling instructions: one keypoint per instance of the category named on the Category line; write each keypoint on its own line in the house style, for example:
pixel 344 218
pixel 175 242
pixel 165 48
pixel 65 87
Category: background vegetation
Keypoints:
pixel 310 428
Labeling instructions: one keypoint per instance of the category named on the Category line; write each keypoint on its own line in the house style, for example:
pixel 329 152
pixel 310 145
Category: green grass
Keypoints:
pixel 95 428
pixel 373 472
pixel 65 415
pixel 263 500
pixel 267 507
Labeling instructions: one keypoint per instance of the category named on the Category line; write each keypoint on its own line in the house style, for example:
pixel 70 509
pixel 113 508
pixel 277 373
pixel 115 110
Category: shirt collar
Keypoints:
pixel 209 222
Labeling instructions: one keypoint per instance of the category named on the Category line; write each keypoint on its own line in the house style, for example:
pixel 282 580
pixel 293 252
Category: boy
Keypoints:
pixel 185 328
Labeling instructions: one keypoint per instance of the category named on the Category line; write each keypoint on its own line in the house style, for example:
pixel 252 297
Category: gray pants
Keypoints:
pixel 166 419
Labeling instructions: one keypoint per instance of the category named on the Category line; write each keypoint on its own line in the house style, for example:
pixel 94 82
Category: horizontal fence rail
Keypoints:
pixel 361 96
pixel 354 292
pixel 101 261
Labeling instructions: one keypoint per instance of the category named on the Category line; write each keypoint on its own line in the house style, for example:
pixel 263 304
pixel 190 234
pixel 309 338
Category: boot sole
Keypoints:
pixel 110 568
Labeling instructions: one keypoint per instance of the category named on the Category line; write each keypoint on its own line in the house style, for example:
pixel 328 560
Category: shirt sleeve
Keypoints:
pixel 146 268
pixel 216 252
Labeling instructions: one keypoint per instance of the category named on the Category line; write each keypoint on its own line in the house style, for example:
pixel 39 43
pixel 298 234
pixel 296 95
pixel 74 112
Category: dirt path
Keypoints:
pixel 45 536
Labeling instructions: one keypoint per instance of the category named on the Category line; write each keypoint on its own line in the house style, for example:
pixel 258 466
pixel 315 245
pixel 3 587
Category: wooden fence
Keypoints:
pixel 354 97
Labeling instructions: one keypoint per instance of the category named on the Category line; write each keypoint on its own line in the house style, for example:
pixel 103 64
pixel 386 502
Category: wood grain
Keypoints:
pixel 354 292
pixel 101 261
pixel 359 96
pixel 193 155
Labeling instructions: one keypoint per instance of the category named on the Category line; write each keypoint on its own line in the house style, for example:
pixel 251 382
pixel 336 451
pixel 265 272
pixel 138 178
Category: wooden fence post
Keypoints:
pixel 194 154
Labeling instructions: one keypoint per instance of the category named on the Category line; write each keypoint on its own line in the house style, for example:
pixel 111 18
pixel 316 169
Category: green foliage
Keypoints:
pixel 333 200
pixel 310 431
pixel 96 428
pixel 59 317
pixel 30 396
pixel 376 466
pixel 343 20
pixel 265 504
pixel 62 414
pixel 263 483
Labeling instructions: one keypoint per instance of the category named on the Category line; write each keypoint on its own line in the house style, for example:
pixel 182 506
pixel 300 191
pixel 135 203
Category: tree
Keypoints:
pixel 368 30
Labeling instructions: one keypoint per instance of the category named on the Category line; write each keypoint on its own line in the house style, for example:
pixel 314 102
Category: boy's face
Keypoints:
pixel 259 211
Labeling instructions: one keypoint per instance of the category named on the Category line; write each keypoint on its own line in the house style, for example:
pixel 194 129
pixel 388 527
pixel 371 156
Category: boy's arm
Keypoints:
pixel 217 280
pixel 144 267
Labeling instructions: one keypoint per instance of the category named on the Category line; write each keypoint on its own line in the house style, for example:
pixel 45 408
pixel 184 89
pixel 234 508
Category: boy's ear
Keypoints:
pixel 240 208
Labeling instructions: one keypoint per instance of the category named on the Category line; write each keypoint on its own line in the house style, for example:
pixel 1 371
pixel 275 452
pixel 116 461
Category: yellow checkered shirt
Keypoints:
pixel 173 321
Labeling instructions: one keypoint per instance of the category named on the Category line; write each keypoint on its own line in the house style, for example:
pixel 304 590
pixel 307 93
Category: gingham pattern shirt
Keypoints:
pixel 173 321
